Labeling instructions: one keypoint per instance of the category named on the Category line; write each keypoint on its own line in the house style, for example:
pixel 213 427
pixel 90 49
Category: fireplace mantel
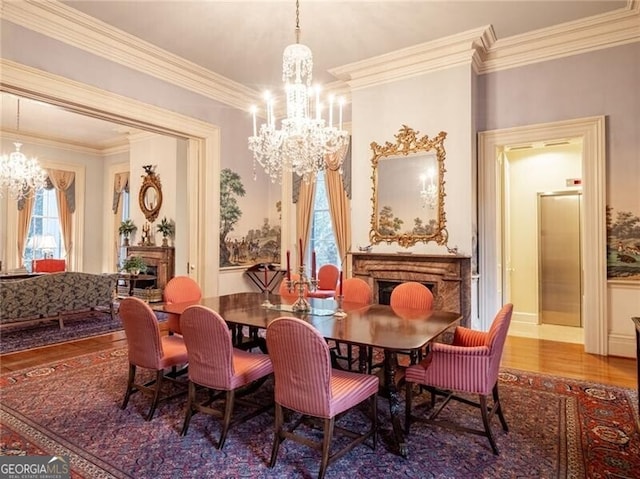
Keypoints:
pixel 448 276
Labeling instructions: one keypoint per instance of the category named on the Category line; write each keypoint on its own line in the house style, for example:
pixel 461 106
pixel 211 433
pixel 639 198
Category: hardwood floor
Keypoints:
pixel 542 356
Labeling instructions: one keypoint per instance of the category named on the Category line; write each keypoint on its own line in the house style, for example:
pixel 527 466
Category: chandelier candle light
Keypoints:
pixel 429 192
pixel 303 140
pixel 20 175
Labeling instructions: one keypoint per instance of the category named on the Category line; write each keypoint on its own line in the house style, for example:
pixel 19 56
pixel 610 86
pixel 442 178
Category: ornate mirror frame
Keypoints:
pixel 150 196
pixel 407 148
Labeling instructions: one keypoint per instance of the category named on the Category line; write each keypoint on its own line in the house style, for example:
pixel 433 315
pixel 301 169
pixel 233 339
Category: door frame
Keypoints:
pixel 491 176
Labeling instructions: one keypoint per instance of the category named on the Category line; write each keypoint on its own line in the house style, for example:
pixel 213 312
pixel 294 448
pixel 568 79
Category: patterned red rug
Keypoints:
pixel 558 428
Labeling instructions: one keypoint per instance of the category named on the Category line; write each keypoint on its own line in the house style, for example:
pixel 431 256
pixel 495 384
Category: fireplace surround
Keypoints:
pixel 160 258
pixel 447 276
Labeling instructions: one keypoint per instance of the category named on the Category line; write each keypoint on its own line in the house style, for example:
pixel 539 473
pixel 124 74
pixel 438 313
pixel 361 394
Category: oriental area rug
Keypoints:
pixel 559 428
pixel 76 326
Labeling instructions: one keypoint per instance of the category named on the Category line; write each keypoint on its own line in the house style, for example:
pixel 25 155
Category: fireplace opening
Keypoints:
pixel 386 287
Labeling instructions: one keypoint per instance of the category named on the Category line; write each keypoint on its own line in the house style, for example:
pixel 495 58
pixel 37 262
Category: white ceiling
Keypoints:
pixel 244 40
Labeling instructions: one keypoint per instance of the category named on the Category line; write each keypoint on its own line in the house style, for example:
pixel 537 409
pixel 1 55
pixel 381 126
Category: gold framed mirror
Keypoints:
pixel 150 196
pixel 408 189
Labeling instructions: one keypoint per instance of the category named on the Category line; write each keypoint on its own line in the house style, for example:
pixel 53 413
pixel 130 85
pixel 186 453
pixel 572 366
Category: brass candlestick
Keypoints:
pixel 340 313
pixel 301 304
pixel 266 303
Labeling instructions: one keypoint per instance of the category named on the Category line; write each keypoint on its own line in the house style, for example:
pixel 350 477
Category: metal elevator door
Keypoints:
pixel 560 268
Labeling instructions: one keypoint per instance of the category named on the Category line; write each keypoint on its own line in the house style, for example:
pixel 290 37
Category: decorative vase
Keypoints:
pixel 126 241
pixel 165 241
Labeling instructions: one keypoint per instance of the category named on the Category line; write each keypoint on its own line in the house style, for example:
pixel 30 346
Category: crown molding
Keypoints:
pixel 117 146
pixel 607 30
pixel 461 49
pixel 478 48
pixel 63 23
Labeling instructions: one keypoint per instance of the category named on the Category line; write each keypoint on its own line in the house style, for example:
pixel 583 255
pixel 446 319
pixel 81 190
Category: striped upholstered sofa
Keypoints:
pixel 52 296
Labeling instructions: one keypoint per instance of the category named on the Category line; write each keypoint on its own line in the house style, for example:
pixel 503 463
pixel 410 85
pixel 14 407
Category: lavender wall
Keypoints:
pixel 604 82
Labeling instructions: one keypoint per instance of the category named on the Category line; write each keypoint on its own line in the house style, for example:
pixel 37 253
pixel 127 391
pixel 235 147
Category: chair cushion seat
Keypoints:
pixel 175 352
pixel 249 367
pixel 349 389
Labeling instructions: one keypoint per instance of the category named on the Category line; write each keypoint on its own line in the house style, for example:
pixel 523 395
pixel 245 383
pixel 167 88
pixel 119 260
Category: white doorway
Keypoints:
pixel 491 186
pixel 541 269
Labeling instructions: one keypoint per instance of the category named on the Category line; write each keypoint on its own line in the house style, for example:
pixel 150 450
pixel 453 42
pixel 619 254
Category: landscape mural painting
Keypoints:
pixel 245 243
pixel 623 245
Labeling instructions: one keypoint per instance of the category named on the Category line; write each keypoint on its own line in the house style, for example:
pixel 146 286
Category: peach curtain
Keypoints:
pixel 120 184
pixel 61 181
pixel 24 221
pixel 304 213
pixel 339 203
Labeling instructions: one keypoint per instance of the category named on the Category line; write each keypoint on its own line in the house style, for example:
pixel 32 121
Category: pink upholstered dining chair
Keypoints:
pixel 180 289
pixel 354 290
pixel 411 295
pixel 407 296
pixel 306 383
pixel 469 365
pixel 148 349
pixel 216 365
pixel 328 276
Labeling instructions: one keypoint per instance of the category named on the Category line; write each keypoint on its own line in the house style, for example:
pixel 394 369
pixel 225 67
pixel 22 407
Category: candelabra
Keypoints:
pixel 301 304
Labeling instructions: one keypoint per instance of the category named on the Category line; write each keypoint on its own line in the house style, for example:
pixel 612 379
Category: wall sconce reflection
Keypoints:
pixel 429 192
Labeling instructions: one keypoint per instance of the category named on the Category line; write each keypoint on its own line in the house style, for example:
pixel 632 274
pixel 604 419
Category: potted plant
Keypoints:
pixel 126 228
pixel 167 228
pixel 134 265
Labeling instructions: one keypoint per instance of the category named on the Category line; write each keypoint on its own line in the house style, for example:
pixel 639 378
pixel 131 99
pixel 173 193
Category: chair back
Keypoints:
pixel 208 340
pixel 496 337
pixel 301 366
pixel 181 289
pixel 143 334
pixel 357 290
pixel 49 265
pixel 412 295
pixel 328 276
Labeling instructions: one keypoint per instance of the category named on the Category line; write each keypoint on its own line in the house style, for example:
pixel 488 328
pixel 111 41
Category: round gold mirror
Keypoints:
pixel 150 197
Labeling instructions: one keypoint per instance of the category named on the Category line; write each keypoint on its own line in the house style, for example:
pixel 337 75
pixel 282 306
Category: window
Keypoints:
pixel 323 238
pixel 45 238
pixel 124 215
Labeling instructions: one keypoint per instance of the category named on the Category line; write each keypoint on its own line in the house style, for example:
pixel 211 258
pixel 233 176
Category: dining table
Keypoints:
pixel 375 325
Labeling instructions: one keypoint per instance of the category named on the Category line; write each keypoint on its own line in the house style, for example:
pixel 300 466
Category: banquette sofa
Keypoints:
pixel 52 296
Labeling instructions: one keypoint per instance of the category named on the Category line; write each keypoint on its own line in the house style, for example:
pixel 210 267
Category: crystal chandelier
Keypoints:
pixel 304 138
pixel 19 175
pixel 429 192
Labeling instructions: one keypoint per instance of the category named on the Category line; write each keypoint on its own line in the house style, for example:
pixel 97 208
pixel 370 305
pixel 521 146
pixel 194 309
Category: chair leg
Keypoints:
pixel 485 421
pixel 228 411
pixel 497 404
pixel 156 395
pixel 277 437
pixel 407 408
pixel 127 395
pixel 189 409
pixel 326 445
pixel 374 419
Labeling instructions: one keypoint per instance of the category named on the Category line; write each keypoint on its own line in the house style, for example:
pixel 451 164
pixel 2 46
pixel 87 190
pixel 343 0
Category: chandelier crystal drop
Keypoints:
pixel 19 175
pixel 304 138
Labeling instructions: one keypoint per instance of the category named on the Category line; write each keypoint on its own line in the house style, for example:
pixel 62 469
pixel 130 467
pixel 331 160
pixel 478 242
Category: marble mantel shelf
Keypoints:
pixel 448 276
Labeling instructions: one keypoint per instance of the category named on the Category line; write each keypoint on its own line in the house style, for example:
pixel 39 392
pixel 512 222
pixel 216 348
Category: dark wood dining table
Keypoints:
pixel 379 326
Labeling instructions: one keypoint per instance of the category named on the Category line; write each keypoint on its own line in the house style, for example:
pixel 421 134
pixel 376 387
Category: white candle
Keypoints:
pixel 255 129
pixel 341 102
pixel 331 110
